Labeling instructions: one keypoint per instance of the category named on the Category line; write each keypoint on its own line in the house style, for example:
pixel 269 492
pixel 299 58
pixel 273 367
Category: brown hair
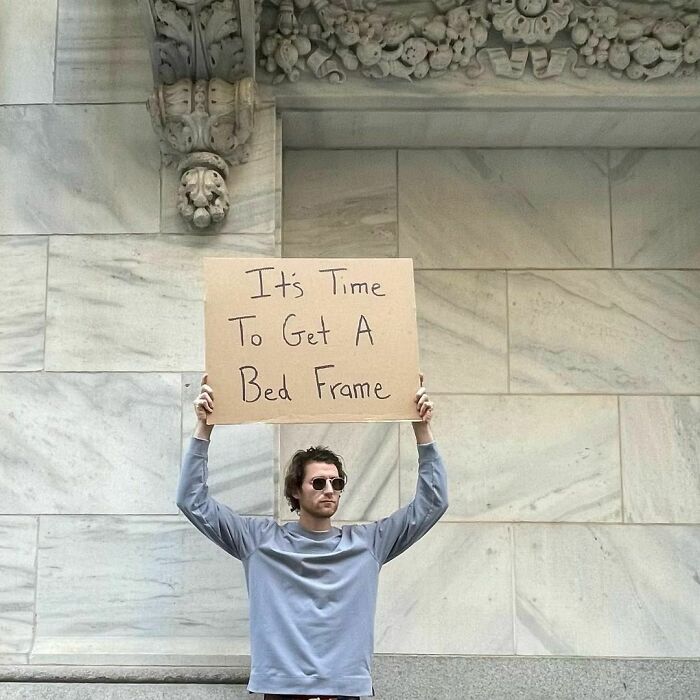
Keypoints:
pixel 294 474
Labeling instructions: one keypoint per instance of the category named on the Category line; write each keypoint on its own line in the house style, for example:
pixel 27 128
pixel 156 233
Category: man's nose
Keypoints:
pixel 328 489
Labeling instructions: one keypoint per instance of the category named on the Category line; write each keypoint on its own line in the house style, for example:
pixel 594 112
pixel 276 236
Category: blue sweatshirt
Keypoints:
pixel 312 594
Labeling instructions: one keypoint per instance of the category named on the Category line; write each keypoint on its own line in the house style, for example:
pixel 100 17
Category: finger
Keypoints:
pixel 205 376
pixel 420 374
pixel 423 399
pixel 420 393
pixel 202 404
pixel 205 388
pixel 206 399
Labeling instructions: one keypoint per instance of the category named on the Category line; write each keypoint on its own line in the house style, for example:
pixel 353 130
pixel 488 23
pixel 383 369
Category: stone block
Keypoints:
pixel 133 302
pixel 22 313
pixel 107 183
pixel 603 331
pixel 339 204
pixel 525 458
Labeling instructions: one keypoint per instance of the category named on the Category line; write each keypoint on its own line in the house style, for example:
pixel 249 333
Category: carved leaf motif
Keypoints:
pixel 219 22
pixel 174 61
pixel 174 48
pixel 203 197
pixel 175 23
pixel 226 59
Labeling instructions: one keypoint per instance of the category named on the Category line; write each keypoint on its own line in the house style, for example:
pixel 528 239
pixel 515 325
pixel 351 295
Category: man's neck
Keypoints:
pixel 309 522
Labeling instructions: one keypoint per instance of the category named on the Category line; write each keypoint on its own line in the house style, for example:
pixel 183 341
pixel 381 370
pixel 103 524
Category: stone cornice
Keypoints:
pixel 334 57
pixel 331 39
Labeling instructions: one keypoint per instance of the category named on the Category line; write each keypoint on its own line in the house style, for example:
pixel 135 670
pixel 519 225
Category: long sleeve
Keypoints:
pixel 237 534
pixel 392 535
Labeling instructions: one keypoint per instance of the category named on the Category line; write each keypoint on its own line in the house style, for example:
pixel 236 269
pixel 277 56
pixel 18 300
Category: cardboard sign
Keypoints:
pixel 311 340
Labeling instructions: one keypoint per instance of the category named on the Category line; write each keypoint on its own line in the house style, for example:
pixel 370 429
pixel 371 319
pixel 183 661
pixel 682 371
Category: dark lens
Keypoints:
pixel 338 484
pixel 319 483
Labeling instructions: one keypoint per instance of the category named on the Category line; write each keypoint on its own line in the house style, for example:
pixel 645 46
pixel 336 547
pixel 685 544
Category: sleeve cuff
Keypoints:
pixel 427 450
pixel 199 447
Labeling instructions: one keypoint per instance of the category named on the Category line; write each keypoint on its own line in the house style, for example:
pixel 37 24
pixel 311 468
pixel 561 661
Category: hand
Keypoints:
pixel 204 403
pixel 424 405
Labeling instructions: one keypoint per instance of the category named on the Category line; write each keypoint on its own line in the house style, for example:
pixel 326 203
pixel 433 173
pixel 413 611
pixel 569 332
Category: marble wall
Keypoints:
pixel 558 301
pixel 559 317
pixel 101 349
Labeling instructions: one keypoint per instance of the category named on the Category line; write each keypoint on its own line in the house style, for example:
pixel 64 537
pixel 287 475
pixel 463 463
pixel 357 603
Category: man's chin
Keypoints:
pixel 326 510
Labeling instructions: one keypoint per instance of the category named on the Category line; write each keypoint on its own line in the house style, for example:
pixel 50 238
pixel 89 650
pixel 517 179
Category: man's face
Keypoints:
pixel 319 504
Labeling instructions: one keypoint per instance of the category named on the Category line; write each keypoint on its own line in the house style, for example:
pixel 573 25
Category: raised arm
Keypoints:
pixel 394 534
pixel 237 534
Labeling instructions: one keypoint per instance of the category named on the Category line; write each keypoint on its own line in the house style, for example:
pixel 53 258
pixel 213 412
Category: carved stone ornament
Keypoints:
pixel 331 38
pixel 204 126
pixel 203 107
pixel 198 39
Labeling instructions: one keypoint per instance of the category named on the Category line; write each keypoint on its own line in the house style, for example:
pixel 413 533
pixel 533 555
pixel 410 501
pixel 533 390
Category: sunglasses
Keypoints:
pixel 319 483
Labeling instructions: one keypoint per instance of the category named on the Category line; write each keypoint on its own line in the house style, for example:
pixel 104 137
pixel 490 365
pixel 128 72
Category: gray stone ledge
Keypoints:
pixel 490 128
pixel 124 674
pixel 454 111
pixel 505 678
pixel 122 691
pixel 456 91
pixel 396 677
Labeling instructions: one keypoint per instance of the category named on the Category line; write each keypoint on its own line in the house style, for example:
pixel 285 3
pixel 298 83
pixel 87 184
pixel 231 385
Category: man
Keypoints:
pixel 312 587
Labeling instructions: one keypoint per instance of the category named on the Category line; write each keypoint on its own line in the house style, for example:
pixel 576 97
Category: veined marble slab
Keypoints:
pixel 513 458
pixel 462 330
pixel 370 454
pixel 154 587
pixel 102 52
pixel 17 585
pixel 340 204
pixel 251 186
pixel 656 208
pixel 27 44
pixel 22 312
pixel 133 303
pixel 504 208
pixel 104 183
pixel 279 179
pixel 450 593
pixel 603 331
pixel 661 458
pixel 607 590
pixel 242 458
pixel 98 443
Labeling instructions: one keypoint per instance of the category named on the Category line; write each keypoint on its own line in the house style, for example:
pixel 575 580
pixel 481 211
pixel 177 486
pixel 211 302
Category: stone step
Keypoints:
pixel 396 677
pixel 123 691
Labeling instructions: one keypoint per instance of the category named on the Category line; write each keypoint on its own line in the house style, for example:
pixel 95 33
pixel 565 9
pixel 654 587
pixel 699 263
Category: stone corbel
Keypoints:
pixel 203 105
pixel 204 126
